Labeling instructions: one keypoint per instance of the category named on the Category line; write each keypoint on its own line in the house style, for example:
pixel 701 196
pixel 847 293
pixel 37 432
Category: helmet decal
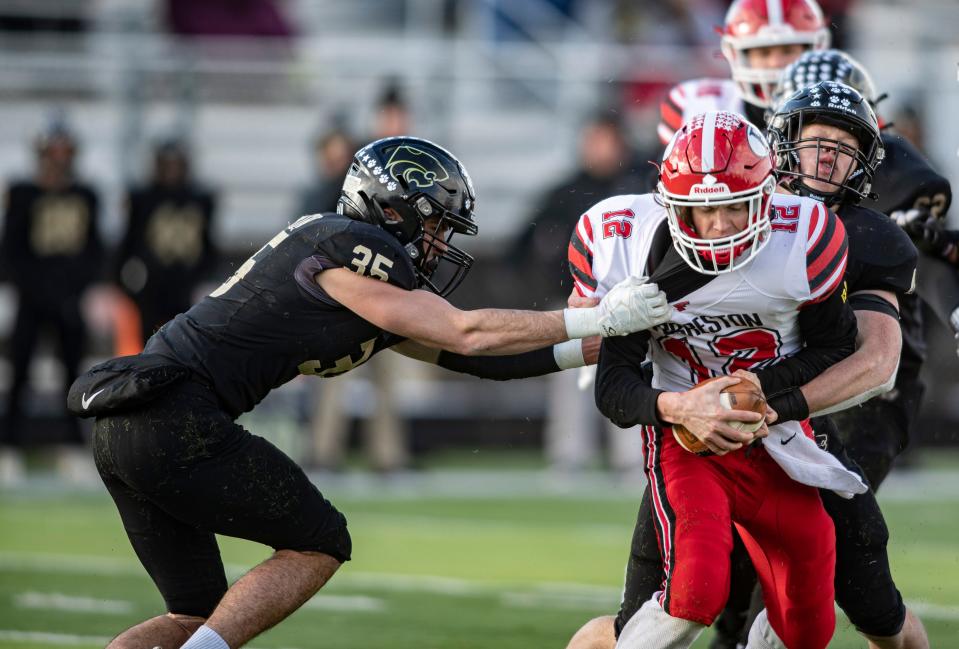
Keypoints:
pixel 415 168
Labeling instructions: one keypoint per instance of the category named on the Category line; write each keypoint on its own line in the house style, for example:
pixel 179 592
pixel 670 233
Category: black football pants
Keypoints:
pixel 180 470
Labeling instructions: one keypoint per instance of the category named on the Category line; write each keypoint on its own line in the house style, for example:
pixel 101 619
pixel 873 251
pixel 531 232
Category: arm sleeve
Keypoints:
pixel 580 257
pixel 622 393
pixel 829 331
pixel 502 368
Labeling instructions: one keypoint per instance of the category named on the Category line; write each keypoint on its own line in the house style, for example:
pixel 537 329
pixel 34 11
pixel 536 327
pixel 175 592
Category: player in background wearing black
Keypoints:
pixel 52 254
pixel 320 298
pixel 824 122
pixel 917 197
pixel 826 149
pixel 167 249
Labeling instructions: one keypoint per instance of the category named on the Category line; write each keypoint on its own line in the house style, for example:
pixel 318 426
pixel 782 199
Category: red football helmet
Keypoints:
pixel 766 23
pixel 717 158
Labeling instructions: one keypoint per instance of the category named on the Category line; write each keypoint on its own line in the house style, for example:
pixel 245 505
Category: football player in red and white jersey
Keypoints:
pixel 760 38
pixel 753 277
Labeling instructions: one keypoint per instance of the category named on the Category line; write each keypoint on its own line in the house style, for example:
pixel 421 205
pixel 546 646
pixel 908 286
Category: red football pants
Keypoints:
pixel 788 534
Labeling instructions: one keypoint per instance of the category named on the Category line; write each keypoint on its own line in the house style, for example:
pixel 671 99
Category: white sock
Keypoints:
pixel 205 638
pixel 761 634
pixel 653 628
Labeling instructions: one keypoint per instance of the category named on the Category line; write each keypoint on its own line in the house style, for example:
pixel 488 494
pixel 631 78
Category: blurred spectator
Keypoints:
pixel 837 13
pixel 392 116
pixel 332 154
pixel 227 18
pixel 385 434
pixel 167 250
pixel 52 253
pixel 606 167
pixel 27 16
pixel 688 23
pixel 908 123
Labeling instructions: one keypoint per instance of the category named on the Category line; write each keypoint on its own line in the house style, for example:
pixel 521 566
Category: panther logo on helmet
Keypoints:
pixel 416 168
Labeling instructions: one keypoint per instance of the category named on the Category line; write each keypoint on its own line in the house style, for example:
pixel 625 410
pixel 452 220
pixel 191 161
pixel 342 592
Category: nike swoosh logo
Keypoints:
pixel 782 441
pixel 86 402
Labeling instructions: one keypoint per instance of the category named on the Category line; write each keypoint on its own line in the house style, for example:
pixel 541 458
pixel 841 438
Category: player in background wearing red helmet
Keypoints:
pixel 760 38
pixel 753 277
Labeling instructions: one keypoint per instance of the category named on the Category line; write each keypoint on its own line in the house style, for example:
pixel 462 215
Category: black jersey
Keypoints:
pixel 168 231
pixel 51 247
pixel 881 255
pixel 904 181
pixel 270 321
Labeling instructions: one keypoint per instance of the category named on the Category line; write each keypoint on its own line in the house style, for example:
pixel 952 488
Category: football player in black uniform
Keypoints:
pixel 320 298
pixel 828 146
pixel 917 197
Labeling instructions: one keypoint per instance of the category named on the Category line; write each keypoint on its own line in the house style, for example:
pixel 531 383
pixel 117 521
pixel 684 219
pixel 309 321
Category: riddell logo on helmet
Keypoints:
pixel 709 190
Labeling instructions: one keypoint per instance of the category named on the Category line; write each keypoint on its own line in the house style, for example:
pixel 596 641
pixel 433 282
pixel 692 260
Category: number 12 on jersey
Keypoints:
pixel 745 349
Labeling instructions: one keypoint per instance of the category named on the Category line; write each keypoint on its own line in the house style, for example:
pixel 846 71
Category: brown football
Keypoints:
pixel 742 396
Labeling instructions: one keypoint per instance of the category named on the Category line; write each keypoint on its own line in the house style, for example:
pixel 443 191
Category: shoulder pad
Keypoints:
pixel 610 238
pixel 881 255
pixel 905 180
pixel 370 251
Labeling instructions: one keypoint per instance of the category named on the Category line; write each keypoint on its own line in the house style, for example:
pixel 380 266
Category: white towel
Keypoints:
pixel 803 461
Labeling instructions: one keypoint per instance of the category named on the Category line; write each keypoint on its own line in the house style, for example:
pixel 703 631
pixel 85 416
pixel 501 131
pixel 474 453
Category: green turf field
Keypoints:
pixel 455 570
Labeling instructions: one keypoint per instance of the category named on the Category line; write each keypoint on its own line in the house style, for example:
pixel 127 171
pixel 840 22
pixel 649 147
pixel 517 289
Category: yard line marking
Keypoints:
pixel 562 601
pixel 933 611
pixel 62 639
pixel 76 564
pixel 382 582
pixel 71 603
pixel 362 603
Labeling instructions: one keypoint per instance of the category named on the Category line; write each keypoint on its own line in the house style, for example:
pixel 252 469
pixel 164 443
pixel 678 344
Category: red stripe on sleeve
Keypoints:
pixel 577 259
pixel 833 248
pixel 589 231
pixel 670 117
pixel 814 219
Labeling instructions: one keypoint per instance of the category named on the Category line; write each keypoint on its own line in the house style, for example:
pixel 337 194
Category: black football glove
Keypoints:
pixel 928 232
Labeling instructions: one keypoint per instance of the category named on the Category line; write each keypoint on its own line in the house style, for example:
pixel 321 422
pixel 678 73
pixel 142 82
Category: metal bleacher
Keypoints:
pixel 251 107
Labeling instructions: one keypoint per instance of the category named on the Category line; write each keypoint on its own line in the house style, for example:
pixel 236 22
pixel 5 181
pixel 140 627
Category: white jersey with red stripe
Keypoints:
pixel 697 96
pixel 744 319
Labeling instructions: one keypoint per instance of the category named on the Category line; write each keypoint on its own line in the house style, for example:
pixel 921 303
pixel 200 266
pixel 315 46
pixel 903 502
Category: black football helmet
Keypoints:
pixel 824 65
pixel 835 104
pixel 416 180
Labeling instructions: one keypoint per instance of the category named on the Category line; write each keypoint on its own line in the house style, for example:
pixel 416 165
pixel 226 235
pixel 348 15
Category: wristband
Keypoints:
pixel 789 405
pixel 581 323
pixel 569 354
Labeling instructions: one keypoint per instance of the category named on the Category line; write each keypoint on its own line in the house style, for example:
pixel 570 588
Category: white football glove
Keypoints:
pixel 631 305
